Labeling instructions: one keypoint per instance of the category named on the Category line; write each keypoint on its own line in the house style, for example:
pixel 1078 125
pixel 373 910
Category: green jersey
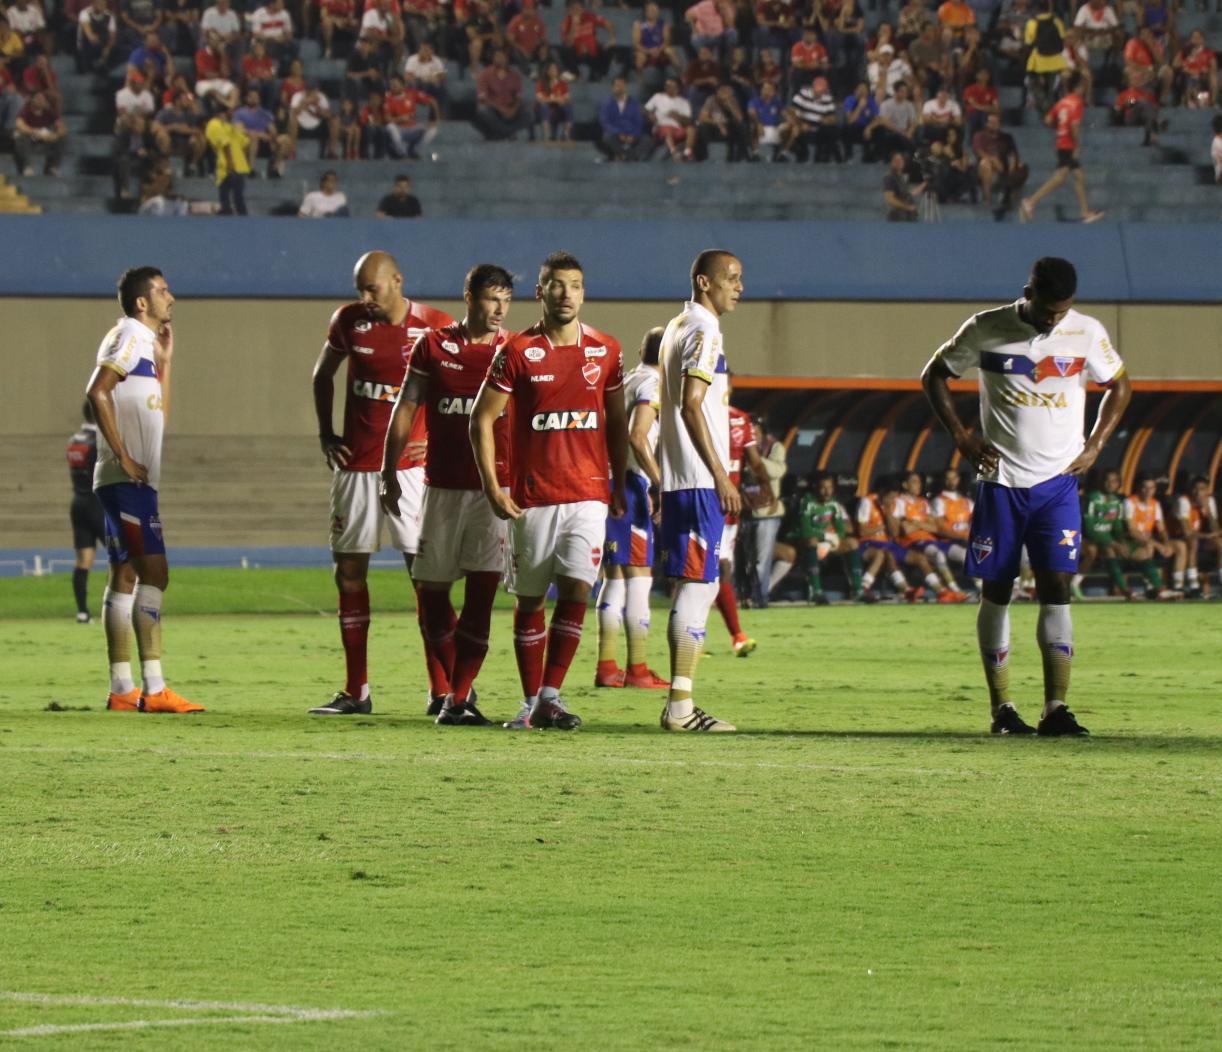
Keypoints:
pixel 821 520
pixel 1103 521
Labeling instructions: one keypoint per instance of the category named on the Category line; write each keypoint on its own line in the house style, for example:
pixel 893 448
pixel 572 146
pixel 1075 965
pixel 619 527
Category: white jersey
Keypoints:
pixel 1032 387
pixel 692 346
pixel 641 388
pixel 128 350
pixel 1184 506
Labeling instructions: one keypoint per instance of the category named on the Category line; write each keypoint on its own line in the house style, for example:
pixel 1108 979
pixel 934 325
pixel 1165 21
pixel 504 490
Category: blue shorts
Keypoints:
pixel 897 550
pixel 692 522
pixel 1047 519
pixel 630 538
pixel 133 525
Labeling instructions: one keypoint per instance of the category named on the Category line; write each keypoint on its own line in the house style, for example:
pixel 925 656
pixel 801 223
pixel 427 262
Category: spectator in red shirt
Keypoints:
pixel 980 102
pixel 580 43
pixel 289 87
pixel 1196 69
pixel 213 85
pixel 701 78
pixel 998 163
pixel 553 110
pixel 1135 107
pixel 1145 63
pixel 38 129
pixel 39 76
pixel 499 110
pixel 807 60
pixel 526 33
pixel 1066 118
pixel 403 133
pixel 259 74
pixel 372 120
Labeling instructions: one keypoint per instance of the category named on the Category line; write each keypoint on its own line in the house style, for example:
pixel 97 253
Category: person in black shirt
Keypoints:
pixel 400 203
pixel 88 521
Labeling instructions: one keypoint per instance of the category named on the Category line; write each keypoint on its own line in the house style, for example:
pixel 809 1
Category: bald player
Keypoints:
pixel 374 335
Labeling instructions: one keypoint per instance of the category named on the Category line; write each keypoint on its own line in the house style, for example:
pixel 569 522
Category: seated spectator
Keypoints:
pixel 400 203
pixel 914 16
pixel 653 51
pixel 11 100
pixel 327 202
pixel 226 23
pixel 621 124
pixel 337 19
pixel 846 45
pixel 807 60
pixel 741 76
pixel 180 26
pixel 178 131
pixel 553 109
pixel 152 59
pixel 26 19
pixel 897 123
pixel 213 84
pixel 310 117
pixel 40 76
pixel 424 20
pixel 769 70
pixel 96 37
pixel 938 114
pixel 1044 34
pixel 813 121
pixel 231 148
pixel 701 78
pixel 580 43
pixel 1137 107
pixel 483 34
pixel 1153 15
pixel 38 129
pixel 526 33
pixel 1196 514
pixel 1215 148
pixel 898 195
pixel 403 132
pixel 1100 27
pixel 860 113
pixel 721 120
pixel 134 109
pixel 886 71
pixel 968 56
pixel 1147 533
pixel 998 163
pixel 349 120
pixel 138 20
pixel 981 101
pixel 766 112
pixel 429 73
pixel 273 25
pixel 776 25
pixel 382 25
pixel 363 72
pixel 157 197
pixel 947 169
pixel 372 120
pixel 264 139
pixel 259 74
pixel 1145 64
pixel 956 16
pixel 712 25
pixel 929 56
pixel 1196 69
pixel 499 110
pixel 1077 61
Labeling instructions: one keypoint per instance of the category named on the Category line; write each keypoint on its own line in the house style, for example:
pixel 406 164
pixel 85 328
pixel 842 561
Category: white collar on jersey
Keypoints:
pixel 699 308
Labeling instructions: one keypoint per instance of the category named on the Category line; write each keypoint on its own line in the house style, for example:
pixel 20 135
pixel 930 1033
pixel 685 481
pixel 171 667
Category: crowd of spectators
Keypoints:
pixel 768 80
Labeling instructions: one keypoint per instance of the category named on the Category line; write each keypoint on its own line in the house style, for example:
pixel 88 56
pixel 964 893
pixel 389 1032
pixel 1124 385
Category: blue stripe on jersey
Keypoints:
pixel 721 364
pixel 144 367
pixel 995 362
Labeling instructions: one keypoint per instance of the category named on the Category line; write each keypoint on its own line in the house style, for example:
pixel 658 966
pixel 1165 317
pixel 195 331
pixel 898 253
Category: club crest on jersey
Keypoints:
pixel 535 354
pixel 362 326
pixel 982 548
pixel 377 392
pixel 565 420
pixel 596 352
pixel 1063 364
pixel 591 371
pixel 450 346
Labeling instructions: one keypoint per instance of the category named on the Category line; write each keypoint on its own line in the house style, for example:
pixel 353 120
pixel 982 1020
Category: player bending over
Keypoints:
pixel 374 335
pixel 697 493
pixel 1034 357
pixel 628 559
pixel 568 423
pixel 130 394
pixel 459 534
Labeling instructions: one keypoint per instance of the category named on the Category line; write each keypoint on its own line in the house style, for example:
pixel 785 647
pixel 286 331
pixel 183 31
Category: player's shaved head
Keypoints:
pixel 711 263
pixel 379 282
pixel 651 346
pixel 375 266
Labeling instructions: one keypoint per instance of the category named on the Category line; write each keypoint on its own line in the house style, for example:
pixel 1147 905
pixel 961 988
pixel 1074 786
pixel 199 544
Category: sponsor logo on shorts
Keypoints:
pixel 543 378
pixel 566 420
pixel 982 548
pixel 337 524
pixel 374 391
pixel 535 354
pixel 596 352
pixel 155 526
pixel 591 371
pixel 456 406
pixel 1068 538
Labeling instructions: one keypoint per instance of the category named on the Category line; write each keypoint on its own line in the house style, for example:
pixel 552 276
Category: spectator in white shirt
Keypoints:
pixel 429 73
pixel 310 117
pixel 272 24
pixel 938 114
pixel 226 23
pixel 327 202
pixel 96 35
pixel 670 115
pixel 382 25
pixel 25 18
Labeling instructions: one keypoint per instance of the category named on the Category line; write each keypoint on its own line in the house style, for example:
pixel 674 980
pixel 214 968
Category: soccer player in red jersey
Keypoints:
pixel 742 447
pixel 1066 118
pixel 374 335
pixel 568 422
pixel 459 534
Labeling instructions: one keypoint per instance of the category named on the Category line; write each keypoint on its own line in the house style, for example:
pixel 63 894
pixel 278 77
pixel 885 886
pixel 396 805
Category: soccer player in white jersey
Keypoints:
pixel 1034 357
pixel 130 394
pixel 697 492
pixel 628 558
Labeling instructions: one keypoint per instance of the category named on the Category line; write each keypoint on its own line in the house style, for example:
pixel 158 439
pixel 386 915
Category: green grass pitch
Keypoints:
pixel 862 867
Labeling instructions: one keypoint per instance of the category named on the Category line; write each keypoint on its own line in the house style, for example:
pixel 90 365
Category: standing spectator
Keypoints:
pixel 526 34
pixel 272 24
pixel 997 162
pixel 259 74
pixel 813 121
pixel 701 78
pixel 259 124
pixel 349 119
pixel 11 100
pixel 621 123
pixel 177 131
pixel 400 203
pixel 897 124
pixel 429 73
pixel 860 122
pixel 363 72
pixel 138 19
pixel 1136 107
pixel 403 134
pixel 39 129
pixel 579 40
pixel 327 202
pixel 652 48
pixel 1066 117
pixel 381 24
pixel 766 113
pixel 807 60
pixel 898 195
pixel 337 18
pixel 97 35
pixel 232 149
pixel 26 19
pixel 769 515
pixel 1044 34
pixel 289 87
pixel 721 120
pixel 553 110
pixel 310 117
pixel 499 112
pixel 710 27
pixel 981 100
pixel 1196 68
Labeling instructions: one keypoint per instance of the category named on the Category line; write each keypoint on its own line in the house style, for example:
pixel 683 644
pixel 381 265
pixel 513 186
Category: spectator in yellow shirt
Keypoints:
pixel 230 143
pixel 1044 34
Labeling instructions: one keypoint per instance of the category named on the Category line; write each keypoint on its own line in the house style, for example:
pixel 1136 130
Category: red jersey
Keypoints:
pixel 742 435
pixel 1066 116
pixel 584 31
pixel 1197 63
pixel 979 96
pixel 258 68
pixel 400 108
pixel 557 419
pixel 377 354
pixel 207 65
pixel 808 56
pixel 454 369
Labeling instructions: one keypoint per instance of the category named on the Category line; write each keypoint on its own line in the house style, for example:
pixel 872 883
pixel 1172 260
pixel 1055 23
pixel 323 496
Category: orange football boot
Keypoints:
pixel 165 700
pixel 643 676
pixel 128 702
pixel 608 674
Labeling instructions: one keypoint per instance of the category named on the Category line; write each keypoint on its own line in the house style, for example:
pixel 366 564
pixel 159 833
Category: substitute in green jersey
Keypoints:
pixel 1104 534
pixel 821 528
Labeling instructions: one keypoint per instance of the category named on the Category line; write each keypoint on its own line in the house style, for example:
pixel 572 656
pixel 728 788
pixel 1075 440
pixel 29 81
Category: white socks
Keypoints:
pixel 146 619
pixel 685 632
pixel 117 620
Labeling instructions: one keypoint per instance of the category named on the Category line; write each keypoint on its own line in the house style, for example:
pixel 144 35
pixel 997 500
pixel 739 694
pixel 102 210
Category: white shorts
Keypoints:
pixel 459 534
pixel 556 540
pixel 729 537
pixel 357 517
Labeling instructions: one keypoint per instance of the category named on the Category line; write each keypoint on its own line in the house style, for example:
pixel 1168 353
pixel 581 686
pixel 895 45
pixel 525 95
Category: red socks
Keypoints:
pixel 529 640
pixel 437 622
pixel 727 603
pixel 563 640
pixel 354 633
pixel 471 635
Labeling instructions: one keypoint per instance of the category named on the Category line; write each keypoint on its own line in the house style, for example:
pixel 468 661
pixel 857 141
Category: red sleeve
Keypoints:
pixel 337 333
pixel 432 317
pixel 615 378
pixel 505 369
pixel 420 357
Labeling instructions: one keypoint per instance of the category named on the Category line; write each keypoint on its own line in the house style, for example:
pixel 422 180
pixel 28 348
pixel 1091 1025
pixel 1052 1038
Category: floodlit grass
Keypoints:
pixel 862 867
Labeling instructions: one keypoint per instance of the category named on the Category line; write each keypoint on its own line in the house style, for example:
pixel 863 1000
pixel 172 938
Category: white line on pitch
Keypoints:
pixel 187 1005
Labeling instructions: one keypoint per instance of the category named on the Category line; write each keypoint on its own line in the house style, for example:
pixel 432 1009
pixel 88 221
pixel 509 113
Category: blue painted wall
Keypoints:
pixel 266 257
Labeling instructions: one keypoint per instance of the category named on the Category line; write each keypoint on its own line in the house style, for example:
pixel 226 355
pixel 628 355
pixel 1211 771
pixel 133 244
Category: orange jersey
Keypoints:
pixel 955 510
pixel 1143 515
pixel 908 509
pixel 870 522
